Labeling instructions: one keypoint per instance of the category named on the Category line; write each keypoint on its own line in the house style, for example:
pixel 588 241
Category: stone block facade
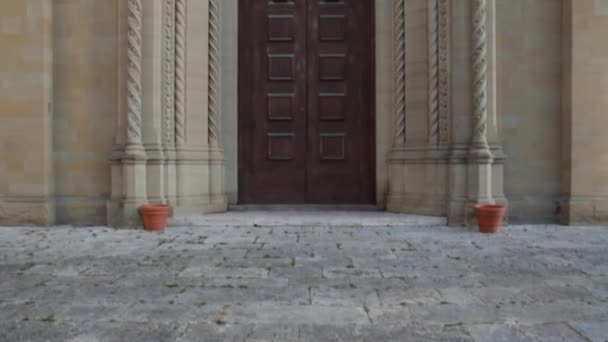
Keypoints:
pixel 106 105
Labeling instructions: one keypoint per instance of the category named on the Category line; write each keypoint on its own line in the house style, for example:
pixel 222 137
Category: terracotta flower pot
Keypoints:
pixel 155 216
pixel 490 217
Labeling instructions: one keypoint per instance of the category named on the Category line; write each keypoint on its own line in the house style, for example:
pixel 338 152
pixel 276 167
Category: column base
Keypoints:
pixel 129 182
pixel 124 215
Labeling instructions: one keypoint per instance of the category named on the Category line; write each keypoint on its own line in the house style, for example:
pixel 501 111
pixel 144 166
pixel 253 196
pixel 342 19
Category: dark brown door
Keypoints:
pixel 305 86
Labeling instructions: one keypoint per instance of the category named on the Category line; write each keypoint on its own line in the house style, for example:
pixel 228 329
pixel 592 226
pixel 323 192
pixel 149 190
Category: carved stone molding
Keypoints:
pixel 180 73
pixel 443 75
pixel 134 88
pixel 399 59
pixel 169 75
pixel 433 72
pixel 479 65
pixel 214 72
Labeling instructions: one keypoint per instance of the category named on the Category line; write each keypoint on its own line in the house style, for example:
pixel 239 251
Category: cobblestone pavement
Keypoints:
pixel 274 280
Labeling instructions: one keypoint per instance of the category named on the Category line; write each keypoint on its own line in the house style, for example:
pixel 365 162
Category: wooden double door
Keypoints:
pixel 306 127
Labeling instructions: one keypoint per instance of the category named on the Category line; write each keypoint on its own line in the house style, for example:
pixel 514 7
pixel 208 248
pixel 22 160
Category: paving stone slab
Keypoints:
pixel 296 280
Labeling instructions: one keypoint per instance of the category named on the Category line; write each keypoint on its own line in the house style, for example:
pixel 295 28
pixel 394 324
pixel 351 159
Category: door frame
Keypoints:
pixel 242 105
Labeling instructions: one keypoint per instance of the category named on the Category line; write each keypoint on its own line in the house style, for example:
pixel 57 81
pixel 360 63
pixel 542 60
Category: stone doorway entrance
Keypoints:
pixel 306 125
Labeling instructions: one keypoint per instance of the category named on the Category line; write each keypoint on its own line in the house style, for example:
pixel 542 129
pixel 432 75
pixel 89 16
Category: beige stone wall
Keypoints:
pixel 25 112
pixel 63 89
pixel 585 112
pixel 85 95
pixel 529 105
pixel 58 103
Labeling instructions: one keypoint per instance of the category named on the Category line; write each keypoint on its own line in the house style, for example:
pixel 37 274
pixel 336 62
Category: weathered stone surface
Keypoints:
pixel 239 283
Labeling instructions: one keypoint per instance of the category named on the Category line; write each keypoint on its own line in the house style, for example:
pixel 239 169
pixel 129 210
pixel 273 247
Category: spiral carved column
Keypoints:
pixel 479 143
pixel 433 73
pixel 134 148
pixel 180 73
pixel 214 78
pixel 399 70
pixel 443 74
pixel 129 159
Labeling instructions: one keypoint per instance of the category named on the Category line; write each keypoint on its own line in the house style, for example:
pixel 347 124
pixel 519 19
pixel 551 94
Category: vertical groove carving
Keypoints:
pixel 134 56
pixel 479 70
pixel 444 70
pixel 399 70
pixel 214 72
pixel 433 73
pixel 169 84
pixel 180 72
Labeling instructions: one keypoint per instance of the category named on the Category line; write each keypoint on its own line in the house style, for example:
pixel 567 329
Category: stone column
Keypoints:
pixel 134 148
pixel 400 71
pixel 153 100
pixel 217 196
pixel 479 149
pixel 129 157
pixel 417 164
pixel 485 157
pixel 584 117
pixel 168 145
pixel 200 158
pixel 479 158
pixel 169 100
pixel 433 71
pixel 395 175
pixel 180 95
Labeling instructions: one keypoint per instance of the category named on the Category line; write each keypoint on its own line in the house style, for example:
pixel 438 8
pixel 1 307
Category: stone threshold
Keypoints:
pixel 307 216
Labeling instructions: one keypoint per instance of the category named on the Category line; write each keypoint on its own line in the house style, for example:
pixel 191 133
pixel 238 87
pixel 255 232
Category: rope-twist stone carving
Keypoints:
pixel 433 72
pixel 134 57
pixel 214 72
pixel 399 70
pixel 180 72
pixel 479 70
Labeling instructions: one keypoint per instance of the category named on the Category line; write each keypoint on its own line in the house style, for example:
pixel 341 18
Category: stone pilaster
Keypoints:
pixel 443 72
pixel 169 100
pixel 484 170
pixel 26 113
pixel 417 166
pixel 180 98
pixel 217 196
pixel 400 71
pixel 128 163
pixel 200 158
pixel 153 100
pixel 584 167
pixel 134 148
pixel 433 72
pixel 168 138
pixel 479 150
